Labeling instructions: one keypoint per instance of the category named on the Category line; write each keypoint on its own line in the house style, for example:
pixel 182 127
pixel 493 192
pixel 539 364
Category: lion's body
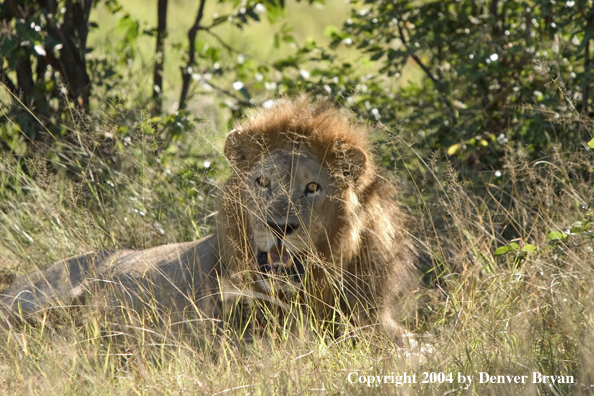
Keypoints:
pixel 172 279
pixel 305 214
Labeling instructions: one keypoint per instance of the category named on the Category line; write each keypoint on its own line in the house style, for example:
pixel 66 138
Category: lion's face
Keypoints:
pixel 291 206
pixel 291 201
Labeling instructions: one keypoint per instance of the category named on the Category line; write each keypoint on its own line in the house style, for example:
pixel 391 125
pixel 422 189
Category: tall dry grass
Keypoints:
pixel 512 314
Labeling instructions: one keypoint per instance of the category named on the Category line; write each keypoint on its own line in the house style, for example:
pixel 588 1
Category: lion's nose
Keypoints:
pixel 283 229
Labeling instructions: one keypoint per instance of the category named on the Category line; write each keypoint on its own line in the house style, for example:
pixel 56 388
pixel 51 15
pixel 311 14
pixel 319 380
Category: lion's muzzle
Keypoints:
pixel 280 262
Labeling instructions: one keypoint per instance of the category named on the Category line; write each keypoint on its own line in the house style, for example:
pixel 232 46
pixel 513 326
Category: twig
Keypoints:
pixel 214 24
pixel 231 49
pixel 230 94
pixel 433 78
pixel 586 89
pixel 415 57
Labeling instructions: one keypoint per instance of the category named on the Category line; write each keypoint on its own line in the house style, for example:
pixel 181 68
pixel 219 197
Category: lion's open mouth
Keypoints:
pixel 281 263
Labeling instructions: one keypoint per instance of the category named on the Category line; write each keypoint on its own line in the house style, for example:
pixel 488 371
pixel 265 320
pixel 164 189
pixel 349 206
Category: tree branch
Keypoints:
pixel 493 8
pixel 187 70
pixel 586 89
pixel 414 56
pixel 15 9
pixel 587 68
pixel 425 69
pixel 72 61
pixel 245 103
pixel 216 23
pixel 24 74
pixel 231 50
pixel 159 57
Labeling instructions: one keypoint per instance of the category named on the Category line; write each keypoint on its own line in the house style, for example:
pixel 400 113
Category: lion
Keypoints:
pixel 305 216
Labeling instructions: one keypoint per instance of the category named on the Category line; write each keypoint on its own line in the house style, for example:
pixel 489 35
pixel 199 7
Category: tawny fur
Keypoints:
pixel 367 266
pixel 361 254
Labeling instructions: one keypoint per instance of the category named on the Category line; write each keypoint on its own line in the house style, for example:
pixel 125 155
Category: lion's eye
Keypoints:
pixel 312 187
pixel 263 182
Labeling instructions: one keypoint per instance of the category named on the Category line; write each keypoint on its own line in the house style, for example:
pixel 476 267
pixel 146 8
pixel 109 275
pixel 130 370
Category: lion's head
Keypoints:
pixel 305 200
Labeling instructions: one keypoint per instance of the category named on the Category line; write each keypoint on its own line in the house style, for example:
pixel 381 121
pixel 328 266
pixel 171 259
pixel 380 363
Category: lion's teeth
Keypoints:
pixel 289 262
pixel 270 261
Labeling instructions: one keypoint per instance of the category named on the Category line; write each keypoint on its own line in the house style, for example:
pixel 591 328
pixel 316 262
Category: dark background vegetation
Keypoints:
pixel 493 73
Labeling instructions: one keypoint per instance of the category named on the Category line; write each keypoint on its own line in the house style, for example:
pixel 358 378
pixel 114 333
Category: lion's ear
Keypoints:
pixel 237 144
pixel 354 161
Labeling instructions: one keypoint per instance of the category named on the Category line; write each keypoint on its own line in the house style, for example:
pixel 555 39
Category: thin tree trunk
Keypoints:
pixel 24 73
pixel 187 70
pixel 71 64
pixel 159 57
pixel 586 89
pixel 496 24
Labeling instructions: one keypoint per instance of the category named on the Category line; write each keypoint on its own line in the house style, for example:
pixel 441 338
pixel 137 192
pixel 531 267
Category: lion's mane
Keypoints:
pixel 369 262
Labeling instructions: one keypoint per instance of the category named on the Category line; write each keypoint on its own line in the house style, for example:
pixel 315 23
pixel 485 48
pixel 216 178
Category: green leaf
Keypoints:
pixel 289 39
pixel 331 30
pixel 579 227
pixel 376 55
pixel 556 235
pixel 502 250
pixel 274 12
pixel 529 248
pixel 507 248
pixel 591 144
pixel 453 149
pixel 129 27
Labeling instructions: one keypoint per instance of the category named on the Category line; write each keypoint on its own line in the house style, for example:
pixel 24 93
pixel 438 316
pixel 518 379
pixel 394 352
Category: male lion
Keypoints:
pixel 305 215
